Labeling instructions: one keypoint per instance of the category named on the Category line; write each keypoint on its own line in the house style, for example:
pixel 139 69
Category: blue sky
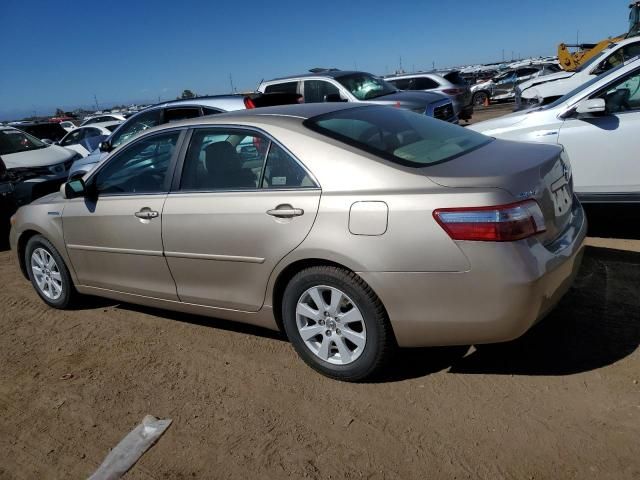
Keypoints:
pixel 61 53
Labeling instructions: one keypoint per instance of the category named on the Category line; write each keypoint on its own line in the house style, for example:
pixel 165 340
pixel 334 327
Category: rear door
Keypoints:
pixel 241 204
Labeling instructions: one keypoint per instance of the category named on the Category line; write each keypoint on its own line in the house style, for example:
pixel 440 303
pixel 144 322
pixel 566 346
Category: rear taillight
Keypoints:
pixel 503 223
pixel 248 103
pixel 453 91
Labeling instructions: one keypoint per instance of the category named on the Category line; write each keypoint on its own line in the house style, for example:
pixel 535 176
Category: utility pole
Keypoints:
pixel 503 55
pixel 400 63
pixel 233 90
pixel 96 100
pixel 433 66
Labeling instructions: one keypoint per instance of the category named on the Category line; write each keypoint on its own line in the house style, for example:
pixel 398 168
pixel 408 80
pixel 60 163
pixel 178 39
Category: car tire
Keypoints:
pixel 348 337
pixel 479 98
pixel 48 273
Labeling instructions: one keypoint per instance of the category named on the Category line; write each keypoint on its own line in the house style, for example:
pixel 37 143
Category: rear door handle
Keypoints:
pixel 285 211
pixel 147 214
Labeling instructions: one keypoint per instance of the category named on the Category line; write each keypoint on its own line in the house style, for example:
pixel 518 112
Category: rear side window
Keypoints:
pixel 397 135
pixel 282 171
pixel 423 83
pixel 401 83
pixel 455 78
pixel 287 87
pixel 175 114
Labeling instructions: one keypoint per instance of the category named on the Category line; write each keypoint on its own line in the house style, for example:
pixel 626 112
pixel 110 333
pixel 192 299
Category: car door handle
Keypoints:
pixel 147 214
pixel 285 211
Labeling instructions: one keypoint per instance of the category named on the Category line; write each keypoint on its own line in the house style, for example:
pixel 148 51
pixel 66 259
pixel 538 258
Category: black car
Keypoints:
pixel 50 131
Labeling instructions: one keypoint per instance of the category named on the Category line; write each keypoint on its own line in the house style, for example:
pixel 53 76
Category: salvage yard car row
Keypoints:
pixel 350 216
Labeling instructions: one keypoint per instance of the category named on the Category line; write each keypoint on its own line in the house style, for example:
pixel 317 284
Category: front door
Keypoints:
pixel 114 236
pixel 604 149
pixel 241 205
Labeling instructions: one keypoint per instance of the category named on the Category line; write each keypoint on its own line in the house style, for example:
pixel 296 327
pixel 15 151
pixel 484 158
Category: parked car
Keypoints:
pixel 502 86
pixel 22 152
pixel 68 126
pixel 542 91
pixel 597 124
pixel 49 132
pixel 352 227
pixel 332 85
pixel 85 140
pixel 174 111
pixel 450 84
pixel 7 201
pixel 107 117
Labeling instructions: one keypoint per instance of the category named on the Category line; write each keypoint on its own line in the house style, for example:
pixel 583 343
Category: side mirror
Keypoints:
pixel 105 146
pixel 591 106
pixel 333 97
pixel 73 188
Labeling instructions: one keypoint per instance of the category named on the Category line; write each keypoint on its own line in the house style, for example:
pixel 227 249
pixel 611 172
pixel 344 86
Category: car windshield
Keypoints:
pixel 14 141
pixel 364 86
pixel 580 88
pixel 111 128
pixel 593 60
pixel 400 136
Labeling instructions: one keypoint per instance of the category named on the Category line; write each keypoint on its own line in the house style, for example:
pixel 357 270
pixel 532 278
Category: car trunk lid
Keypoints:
pixel 526 171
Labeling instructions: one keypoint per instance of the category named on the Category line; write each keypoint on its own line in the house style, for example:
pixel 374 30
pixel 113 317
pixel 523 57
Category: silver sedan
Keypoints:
pixel 355 229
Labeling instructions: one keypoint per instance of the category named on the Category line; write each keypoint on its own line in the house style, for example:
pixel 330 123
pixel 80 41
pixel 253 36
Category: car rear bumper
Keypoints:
pixel 509 288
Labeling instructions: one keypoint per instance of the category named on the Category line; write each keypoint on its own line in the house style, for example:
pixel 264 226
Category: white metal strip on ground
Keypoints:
pixel 131 448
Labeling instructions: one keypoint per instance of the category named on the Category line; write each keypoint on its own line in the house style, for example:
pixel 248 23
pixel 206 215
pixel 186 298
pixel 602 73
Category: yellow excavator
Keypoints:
pixel 570 60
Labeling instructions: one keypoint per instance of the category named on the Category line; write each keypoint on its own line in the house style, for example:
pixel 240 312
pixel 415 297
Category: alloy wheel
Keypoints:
pixel 46 274
pixel 331 325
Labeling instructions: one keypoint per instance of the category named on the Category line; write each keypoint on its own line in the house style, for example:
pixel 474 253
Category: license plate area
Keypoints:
pixel 562 196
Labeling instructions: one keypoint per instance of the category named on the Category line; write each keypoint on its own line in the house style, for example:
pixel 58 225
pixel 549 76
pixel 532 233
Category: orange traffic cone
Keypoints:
pixel 486 101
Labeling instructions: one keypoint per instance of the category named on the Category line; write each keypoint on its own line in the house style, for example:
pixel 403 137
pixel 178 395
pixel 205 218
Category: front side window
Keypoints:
pixel 365 86
pixel 142 168
pixel 316 91
pixel 72 138
pixel 14 141
pixel 398 135
pixel 623 95
pixel 134 125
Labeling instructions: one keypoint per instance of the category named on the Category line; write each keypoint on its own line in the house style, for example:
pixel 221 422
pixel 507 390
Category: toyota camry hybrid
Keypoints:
pixel 354 228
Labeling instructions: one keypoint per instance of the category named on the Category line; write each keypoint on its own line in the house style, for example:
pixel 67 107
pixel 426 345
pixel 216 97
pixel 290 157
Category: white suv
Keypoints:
pixel 544 90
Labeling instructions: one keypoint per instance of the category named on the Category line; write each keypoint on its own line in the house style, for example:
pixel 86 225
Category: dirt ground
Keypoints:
pixel 562 402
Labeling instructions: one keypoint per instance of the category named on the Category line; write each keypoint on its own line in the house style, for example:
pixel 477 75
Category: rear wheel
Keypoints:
pixel 336 323
pixel 48 273
pixel 480 98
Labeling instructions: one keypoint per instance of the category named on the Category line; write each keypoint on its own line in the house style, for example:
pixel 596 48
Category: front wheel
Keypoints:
pixel 48 273
pixel 336 323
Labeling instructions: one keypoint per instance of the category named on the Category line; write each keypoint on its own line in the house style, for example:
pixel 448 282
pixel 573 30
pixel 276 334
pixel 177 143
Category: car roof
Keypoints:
pixel 414 75
pixel 102 124
pixel 328 73
pixel 297 112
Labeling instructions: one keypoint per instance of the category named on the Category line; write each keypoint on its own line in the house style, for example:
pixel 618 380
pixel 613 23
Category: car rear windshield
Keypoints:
pixel 398 135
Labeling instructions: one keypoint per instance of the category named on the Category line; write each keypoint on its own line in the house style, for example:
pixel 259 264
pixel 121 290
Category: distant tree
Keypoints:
pixel 187 94
pixel 59 112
